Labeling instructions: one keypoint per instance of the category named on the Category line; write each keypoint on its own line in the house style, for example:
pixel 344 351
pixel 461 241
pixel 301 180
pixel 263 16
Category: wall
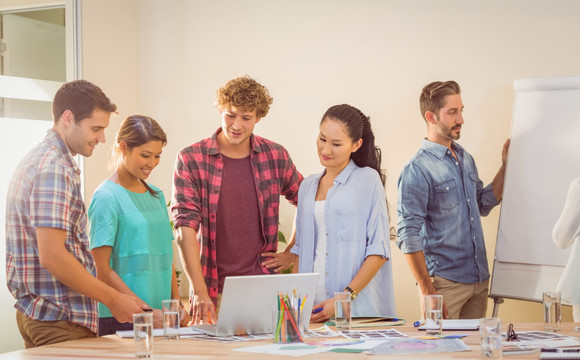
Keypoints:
pixel 166 59
pixel 375 55
pixel 172 56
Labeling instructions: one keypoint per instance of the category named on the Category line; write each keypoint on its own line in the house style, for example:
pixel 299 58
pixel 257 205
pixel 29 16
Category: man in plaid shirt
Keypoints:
pixel 49 266
pixel 226 193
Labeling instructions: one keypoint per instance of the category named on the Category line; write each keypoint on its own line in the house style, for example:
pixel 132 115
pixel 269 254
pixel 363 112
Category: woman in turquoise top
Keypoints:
pixel 130 233
pixel 342 224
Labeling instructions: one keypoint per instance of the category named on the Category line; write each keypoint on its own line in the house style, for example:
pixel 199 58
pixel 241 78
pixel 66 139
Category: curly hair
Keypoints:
pixel 244 93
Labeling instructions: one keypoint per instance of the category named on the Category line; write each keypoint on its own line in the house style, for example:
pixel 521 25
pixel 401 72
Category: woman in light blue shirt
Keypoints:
pixel 342 225
pixel 130 233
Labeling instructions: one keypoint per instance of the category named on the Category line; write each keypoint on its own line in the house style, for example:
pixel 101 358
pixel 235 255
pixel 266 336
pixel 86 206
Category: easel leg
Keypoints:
pixel 496 302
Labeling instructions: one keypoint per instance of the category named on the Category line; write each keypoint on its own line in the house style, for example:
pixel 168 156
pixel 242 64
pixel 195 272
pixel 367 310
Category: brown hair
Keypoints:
pixel 137 130
pixel 81 97
pixel 245 94
pixel 433 95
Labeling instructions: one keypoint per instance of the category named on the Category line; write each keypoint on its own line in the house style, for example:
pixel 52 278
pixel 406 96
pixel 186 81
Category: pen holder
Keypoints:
pixel 288 326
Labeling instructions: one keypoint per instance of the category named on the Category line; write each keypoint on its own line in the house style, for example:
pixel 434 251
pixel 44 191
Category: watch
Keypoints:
pixel 352 292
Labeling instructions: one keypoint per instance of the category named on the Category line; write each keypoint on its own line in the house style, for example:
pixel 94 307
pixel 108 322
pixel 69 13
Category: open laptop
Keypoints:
pixel 248 302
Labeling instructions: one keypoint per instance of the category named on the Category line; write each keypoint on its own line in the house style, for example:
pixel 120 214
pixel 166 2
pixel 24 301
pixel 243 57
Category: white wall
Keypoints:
pixel 166 59
pixel 171 56
pixel 375 55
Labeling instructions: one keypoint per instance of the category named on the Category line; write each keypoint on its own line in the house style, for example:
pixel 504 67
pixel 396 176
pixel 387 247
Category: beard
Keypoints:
pixel 448 133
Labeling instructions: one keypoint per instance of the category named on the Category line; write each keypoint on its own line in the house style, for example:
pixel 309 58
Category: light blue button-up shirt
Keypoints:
pixel 440 202
pixel 357 226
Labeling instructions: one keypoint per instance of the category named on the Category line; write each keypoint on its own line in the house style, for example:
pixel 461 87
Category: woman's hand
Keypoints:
pixel 320 316
pixel 157 319
pixel 278 261
pixel 183 317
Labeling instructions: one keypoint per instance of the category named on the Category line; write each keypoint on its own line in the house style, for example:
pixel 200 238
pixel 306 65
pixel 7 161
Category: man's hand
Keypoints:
pixel 203 310
pixel 124 306
pixel 504 151
pixel 278 261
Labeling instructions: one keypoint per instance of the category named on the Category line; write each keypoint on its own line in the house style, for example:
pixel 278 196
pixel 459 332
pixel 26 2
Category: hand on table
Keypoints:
pixel 203 310
pixel 323 315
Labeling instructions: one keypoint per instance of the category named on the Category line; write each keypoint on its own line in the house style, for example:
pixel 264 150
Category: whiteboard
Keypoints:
pixel 543 159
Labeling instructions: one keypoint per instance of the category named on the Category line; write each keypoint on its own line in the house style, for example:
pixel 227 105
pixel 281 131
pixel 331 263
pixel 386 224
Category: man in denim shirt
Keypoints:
pixel 441 199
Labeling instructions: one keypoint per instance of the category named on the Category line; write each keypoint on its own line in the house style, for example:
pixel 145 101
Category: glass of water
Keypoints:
pixel 342 316
pixel 552 308
pixel 490 334
pixel 171 309
pixel 143 331
pixel 434 314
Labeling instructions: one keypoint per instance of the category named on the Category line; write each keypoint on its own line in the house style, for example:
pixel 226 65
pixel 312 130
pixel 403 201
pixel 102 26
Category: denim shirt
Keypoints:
pixel 440 203
pixel 357 225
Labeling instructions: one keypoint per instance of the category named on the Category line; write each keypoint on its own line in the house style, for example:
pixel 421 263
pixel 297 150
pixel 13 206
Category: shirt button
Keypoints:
pixel 447 188
pixel 456 163
pixel 471 219
pixel 467 200
pixel 474 238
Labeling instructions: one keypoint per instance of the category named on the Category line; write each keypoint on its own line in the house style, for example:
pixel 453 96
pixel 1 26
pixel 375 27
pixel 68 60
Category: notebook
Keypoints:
pixel 249 302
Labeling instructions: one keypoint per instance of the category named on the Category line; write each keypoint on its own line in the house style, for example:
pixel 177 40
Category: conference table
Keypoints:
pixel 114 347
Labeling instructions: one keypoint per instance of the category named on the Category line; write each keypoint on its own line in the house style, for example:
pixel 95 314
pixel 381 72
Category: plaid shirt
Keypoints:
pixel 196 187
pixel 45 192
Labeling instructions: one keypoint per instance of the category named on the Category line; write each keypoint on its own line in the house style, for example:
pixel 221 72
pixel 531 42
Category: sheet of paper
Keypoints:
pixel 418 346
pixel 306 349
pixel 457 324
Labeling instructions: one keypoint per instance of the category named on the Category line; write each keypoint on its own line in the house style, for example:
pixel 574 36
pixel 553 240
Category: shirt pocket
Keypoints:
pixel 350 226
pixel 446 194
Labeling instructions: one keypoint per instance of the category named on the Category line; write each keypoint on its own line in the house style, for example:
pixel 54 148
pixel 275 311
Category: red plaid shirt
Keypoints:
pixel 196 187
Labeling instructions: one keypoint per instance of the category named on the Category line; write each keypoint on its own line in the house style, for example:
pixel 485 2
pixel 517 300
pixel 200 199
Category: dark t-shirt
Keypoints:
pixel 239 237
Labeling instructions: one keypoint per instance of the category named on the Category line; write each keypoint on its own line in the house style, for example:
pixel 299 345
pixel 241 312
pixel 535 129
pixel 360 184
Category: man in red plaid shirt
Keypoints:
pixel 226 195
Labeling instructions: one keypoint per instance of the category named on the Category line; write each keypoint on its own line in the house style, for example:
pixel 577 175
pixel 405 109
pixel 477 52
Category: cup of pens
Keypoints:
pixel 287 321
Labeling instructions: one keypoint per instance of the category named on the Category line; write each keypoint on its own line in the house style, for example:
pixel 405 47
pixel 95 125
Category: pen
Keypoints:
pixel 316 311
pixel 417 323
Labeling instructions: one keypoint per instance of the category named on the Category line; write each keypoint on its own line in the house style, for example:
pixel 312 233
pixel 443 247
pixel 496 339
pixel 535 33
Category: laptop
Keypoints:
pixel 249 302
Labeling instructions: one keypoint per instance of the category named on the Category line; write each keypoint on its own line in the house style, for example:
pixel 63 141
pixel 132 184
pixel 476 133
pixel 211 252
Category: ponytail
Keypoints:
pixel 358 126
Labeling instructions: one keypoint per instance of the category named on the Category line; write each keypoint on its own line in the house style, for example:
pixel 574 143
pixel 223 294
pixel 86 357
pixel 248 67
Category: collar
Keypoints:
pixel 342 178
pixel 439 150
pixel 214 149
pixel 54 139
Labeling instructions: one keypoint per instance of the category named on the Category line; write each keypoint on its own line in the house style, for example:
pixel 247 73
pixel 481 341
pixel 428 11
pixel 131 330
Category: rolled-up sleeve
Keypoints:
pixel 186 197
pixel 413 191
pixel 378 222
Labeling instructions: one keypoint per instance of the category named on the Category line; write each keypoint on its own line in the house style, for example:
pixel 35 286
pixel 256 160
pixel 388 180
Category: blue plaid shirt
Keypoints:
pixel 45 192
pixel 440 203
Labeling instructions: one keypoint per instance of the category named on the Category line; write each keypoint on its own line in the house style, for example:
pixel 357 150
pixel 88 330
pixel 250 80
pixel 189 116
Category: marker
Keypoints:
pixel 417 323
pixel 316 311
